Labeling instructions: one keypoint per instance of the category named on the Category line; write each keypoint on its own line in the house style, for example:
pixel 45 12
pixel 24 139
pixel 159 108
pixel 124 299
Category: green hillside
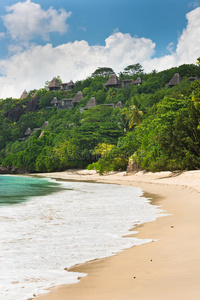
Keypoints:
pixel 153 124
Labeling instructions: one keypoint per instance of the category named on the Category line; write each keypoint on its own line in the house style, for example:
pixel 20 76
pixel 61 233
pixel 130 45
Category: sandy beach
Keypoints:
pixel 168 268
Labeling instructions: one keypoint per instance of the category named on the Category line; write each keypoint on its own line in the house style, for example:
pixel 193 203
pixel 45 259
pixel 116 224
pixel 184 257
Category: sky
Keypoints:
pixel 42 39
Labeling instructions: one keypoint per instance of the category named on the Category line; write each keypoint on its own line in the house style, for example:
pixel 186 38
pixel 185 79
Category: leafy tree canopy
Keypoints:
pixel 133 69
pixel 102 71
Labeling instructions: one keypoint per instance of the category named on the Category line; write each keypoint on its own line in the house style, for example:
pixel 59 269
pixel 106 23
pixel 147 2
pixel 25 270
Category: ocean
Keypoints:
pixel 47 226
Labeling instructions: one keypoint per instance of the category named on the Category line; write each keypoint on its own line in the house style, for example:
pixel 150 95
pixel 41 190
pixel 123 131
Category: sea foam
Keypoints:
pixel 43 236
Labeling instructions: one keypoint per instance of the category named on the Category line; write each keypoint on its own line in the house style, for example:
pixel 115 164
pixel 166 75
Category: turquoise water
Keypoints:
pixel 16 189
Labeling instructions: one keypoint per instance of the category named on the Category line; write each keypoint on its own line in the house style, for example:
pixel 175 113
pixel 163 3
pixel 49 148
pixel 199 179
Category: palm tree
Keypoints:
pixel 133 115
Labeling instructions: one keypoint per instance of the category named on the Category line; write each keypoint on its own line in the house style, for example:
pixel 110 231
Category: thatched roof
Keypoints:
pixel 78 97
pixel 54 83
pixel 71 84
pixel 119 104
pixel 24 94
pixel 54 101
pixel 112 81
pixel 176 79
pixel 46 123
pixel 28 131
pixel 68 86
pixel 138 81
pixel 92 103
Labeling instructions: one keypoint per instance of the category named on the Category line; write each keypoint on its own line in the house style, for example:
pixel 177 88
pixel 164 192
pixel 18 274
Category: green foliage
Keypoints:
pixel 94 166
pixel 132 114
pixel 128 143
pixel 185 71
pixel 157 125
pixel 195 89
pixel 103 71
pixel 112 159
pixel 133 69
pixel 47 96
pixel 169 140
pixel 153 83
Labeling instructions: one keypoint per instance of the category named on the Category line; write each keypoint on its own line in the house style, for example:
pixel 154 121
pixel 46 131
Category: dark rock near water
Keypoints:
pixel 33 104
pixel 9 170
pixel 15 113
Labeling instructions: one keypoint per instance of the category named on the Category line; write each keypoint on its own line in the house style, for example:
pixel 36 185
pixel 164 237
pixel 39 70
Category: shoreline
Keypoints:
pixel 166 269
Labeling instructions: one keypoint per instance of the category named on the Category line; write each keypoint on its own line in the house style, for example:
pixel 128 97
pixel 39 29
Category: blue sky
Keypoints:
pixel 41 39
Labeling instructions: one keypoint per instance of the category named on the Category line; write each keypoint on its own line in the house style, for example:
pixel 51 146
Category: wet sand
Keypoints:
pixel 168 268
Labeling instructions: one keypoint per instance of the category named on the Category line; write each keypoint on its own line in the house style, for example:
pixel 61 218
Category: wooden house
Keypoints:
pixel 176 79
pixel 78 97
pixel 127 82
pixel 65 103
pixel 92 103
pixel 67 86
pixel 113 81
pixel 54 85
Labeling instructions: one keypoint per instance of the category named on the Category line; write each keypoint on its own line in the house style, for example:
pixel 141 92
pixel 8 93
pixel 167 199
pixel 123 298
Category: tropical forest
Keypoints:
pixel 132 117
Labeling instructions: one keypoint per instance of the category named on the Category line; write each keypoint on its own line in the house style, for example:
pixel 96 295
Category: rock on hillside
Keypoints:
pixel 33 104
pixel 15 113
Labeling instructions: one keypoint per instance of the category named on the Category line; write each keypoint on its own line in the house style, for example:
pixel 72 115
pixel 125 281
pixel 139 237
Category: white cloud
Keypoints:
pixel 189 43
pixel 27 20
pixel 30 68
pixel 194 4
pixel 188 47
pixel 170 47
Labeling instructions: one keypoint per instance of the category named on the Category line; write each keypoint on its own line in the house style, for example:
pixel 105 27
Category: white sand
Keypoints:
pixel 162 270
